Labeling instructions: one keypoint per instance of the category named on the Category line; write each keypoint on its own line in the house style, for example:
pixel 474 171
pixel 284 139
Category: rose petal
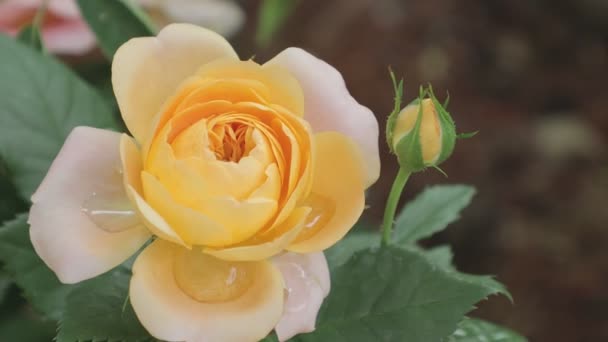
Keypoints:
pixel 223 16
pixel 337 197
pixel 12 11
pixel 147 71
pixel 132 167
pixel 307 282
pixel 69 37
pixel 63 235
pixel 264 247
pixel 64 8
pixel 330 107
pixel 168 313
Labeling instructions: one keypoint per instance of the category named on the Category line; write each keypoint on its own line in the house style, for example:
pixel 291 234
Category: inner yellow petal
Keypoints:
pixel 284 89
pixel 430 130
pixel 338 193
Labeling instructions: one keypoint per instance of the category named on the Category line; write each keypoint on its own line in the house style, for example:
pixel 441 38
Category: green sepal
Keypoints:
pixel 448 129
pixel 409 148
pixel 467 135
pixel 392 118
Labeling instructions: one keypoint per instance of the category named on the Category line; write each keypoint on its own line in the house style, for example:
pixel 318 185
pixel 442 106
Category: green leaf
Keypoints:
pixel 39 284
pixel 431 212
pixel 96 311
pixel 25 326
pixel 10 202
pixel 40 102
pixel 30 36
pixel 476 330
pixel 393 294
pixel 271 16
pixel 354 242
pixel 441 256
pixel 115 22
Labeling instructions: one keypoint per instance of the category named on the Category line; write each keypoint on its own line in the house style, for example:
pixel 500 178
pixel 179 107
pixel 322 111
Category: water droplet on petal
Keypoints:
pixel 322 210
pixel 109 207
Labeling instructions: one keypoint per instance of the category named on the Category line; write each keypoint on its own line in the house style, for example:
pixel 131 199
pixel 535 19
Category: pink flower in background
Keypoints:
pixel 64 32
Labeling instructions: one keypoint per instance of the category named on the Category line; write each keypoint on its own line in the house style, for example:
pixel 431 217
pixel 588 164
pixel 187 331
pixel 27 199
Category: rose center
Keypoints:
pixel 210 280
pixel 229 142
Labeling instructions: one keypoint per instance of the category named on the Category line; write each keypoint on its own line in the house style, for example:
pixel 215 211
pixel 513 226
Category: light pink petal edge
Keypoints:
pixel 70 37
pixel 62 234
pixel 330 107
pixel 307 283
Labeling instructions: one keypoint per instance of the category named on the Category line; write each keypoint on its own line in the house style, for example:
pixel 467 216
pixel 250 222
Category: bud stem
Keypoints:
pixel 391 205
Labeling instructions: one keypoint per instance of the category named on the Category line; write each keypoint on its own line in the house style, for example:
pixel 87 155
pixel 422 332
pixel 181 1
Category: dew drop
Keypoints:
pixel 109 208
pixel 322 210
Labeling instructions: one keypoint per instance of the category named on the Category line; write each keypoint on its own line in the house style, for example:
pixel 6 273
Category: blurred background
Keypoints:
pixel 530 75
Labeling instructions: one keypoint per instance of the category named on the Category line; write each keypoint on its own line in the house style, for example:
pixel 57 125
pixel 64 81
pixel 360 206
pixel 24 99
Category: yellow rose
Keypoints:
pixel 243 172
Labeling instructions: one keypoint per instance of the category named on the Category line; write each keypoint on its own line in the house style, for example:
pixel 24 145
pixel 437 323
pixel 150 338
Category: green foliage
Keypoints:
pixel 91 310
pixel 441 256
pixel 30 36
pixel 40 102
pixel 115 22
pixel 354 242
pixel 39 284
pixel 476 330
pixel 96 311
pixel 271 16
pixel 431 212
pixel 393 294
pixel 10 203
pixel 26 326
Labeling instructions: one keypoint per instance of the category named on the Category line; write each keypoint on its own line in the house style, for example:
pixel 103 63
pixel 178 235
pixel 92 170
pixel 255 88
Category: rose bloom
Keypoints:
pixel 64 31
pixel 243 174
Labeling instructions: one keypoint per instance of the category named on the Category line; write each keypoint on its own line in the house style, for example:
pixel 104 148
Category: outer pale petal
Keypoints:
pixel 222 16
pixel 170 314
pixel 307 283
pixel 64 8
pixel 337 198
pixel 11 11
pixel 69 37
pixel 147 71
pixel 63 235
pixel 330 107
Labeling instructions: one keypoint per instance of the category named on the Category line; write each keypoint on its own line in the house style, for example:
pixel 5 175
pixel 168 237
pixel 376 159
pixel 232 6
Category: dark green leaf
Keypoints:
pixel 393 294
pixel 476 330
pixel 271 16
pixel 115 22
pixel 431 212
pixel 40 102
pixel 26 326
pixel 10 202
pixel 95 311
pixel 39 284
pixel 30 36
pixel 354 242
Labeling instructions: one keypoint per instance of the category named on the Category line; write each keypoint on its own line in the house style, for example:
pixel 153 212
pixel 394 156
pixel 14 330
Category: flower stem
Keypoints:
pixel 391 205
